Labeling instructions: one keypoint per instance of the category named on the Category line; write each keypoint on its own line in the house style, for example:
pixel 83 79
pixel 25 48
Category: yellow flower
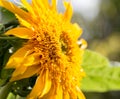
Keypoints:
pixel 51 52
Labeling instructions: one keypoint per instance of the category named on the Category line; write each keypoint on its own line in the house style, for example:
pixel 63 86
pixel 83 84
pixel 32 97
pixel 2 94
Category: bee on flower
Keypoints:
pixel 51 52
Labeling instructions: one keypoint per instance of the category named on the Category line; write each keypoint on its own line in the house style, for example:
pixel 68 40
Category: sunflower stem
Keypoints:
pixel 4 91
pixel 8 38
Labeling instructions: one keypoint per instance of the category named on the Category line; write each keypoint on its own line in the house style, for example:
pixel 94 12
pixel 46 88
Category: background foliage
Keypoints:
pixel 103 31
pixel 103 36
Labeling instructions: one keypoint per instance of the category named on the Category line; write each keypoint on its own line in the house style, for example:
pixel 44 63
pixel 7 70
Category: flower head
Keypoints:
pixel 51 52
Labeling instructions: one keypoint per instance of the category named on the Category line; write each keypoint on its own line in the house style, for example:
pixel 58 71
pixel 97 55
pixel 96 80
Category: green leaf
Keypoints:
pixel 1 26
pixel 19 97
pixel 11 96
pixel 4 91
pixel 6 16
pixel 93 59
pixel 100 75
pixel 5 76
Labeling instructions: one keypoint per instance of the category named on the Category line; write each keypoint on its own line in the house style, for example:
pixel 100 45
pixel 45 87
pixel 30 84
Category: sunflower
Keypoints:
pixel 51 52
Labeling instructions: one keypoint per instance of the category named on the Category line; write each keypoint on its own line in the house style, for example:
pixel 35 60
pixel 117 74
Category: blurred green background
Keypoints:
pixel 100 20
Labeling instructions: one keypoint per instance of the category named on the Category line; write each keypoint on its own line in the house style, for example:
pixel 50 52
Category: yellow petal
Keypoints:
pixel 21 32
pixel 77 31
pixel 54 3
pixel 45 2
pixel 32 59
pixel 50 94
pixel 23 22
pixel 59 93
pixel 73 30
pixel 40 4
pixel 39 86
pixel 73 93
pixel 47 85
pixel 17 57
pixel 66 95
pixel 56 92
pixel 29 60
pixel 69 11
pixel 36 8
pixel 29 72
pixel 13 8
pixel 1 3
pixel 27 6
pixel 80 95
pixel 19 71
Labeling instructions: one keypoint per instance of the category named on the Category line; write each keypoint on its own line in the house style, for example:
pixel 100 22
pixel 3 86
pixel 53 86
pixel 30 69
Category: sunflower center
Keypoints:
pixel 58 55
